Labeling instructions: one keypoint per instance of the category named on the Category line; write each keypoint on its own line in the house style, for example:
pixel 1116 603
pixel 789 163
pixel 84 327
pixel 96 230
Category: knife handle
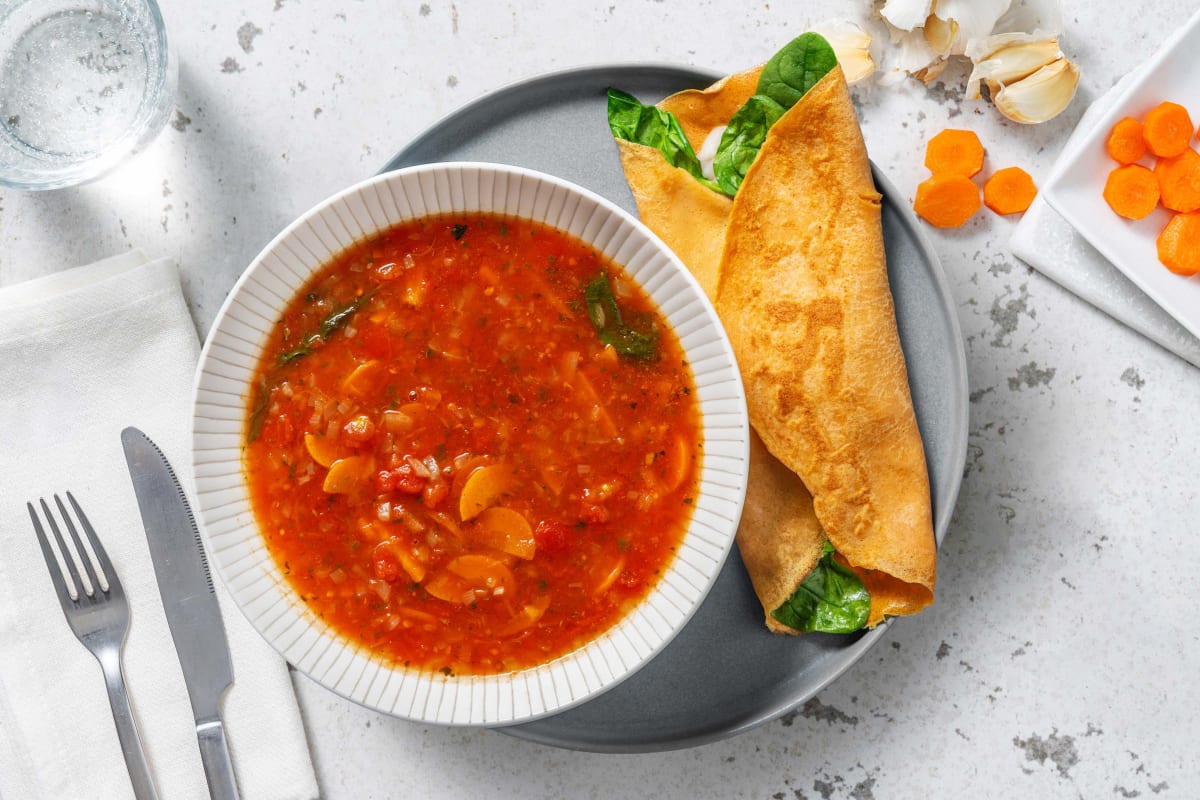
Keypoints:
pixel 214 753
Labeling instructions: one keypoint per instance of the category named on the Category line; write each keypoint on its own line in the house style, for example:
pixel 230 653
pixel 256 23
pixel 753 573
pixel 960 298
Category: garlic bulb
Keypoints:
pixel 1041 96
pixel 852 45
pixel 927 32
pixel 1013 45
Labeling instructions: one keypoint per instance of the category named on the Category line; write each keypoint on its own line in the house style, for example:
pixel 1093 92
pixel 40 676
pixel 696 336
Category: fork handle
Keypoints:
pixel 127 732
pixel 214 753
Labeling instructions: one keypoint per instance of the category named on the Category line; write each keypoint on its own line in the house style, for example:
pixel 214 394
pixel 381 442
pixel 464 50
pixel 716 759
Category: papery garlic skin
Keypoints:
pixel 906 15
pixel 911 55
pixel 1042 96
pixel 962 21
pixel 851 44
pixel 1041 18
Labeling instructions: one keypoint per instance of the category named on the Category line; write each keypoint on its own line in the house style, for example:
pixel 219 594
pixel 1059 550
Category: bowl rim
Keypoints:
pixel 522 694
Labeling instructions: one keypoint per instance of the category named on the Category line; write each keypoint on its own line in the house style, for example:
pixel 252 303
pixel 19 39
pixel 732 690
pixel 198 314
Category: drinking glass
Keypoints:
pixel 83 85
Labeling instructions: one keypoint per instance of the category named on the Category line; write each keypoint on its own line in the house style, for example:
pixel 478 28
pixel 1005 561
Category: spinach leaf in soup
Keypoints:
pixel 832 599
pixel 784 80
pixel 336 320
pixel 610 325
pixel 631 120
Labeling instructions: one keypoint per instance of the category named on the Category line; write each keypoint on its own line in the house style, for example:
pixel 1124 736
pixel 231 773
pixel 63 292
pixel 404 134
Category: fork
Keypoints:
pixel 98 614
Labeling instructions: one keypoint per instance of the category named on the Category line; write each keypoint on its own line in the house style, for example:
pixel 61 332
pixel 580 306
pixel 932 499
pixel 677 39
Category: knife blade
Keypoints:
pixel 189 600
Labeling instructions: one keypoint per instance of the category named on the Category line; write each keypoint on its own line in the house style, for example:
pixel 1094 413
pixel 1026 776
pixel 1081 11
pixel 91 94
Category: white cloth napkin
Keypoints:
pixel 1048 243
pixel 83 354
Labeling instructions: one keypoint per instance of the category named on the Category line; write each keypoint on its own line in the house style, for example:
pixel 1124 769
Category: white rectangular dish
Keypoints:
pixel 1075 187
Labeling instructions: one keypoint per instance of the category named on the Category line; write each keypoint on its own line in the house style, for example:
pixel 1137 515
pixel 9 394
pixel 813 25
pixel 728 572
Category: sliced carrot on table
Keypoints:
pixel 1179 244
pixel 956 151
pixel 1009 191
pixel 1126 143
pixel 947 200
pixel 1179 181
pixel 1131 191
pixel 1168 129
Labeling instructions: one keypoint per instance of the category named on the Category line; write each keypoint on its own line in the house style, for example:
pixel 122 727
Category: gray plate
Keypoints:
pixel 724 673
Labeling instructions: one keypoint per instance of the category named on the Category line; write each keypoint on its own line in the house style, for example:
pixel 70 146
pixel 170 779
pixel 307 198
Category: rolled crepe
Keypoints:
pixel 796 268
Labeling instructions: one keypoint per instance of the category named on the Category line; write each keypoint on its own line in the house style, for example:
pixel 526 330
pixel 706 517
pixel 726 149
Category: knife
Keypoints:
pixel 189 600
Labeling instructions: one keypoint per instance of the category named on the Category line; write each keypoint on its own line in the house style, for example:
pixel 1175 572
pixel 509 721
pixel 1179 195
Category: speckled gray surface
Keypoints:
pixel 1057 661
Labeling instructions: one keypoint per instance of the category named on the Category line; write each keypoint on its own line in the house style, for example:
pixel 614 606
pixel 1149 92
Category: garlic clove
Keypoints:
pixel 930 72
pixel 852 45
pixel 986 46
pixel 1008 58
pixel 1041 96
pixel 907 15
pixel 940 34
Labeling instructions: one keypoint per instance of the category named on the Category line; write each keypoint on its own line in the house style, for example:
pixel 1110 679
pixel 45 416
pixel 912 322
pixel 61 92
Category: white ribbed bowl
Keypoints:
pixel 228 524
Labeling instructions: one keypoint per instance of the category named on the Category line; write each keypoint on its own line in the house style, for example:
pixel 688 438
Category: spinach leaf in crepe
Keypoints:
pixel 647 125
pixel 784 80
pixel 796 68
pixel 832 599
pixel 742 140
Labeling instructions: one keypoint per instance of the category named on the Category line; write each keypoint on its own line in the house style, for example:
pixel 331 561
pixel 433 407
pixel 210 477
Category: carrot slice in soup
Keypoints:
pixel 506 530
pixel 346 474
pixel 365 378
pixel 482 489
pixel 676 462
pixel 464 468
pixel 323 449
pixel 606 575
pixel 529 614
pixel 450 587
pixel 483 572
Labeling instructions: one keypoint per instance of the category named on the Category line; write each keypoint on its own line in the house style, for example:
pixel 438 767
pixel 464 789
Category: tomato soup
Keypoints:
pixel 473 444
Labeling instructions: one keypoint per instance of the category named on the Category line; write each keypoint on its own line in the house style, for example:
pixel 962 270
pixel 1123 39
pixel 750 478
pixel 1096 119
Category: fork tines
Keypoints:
pixel 97 577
